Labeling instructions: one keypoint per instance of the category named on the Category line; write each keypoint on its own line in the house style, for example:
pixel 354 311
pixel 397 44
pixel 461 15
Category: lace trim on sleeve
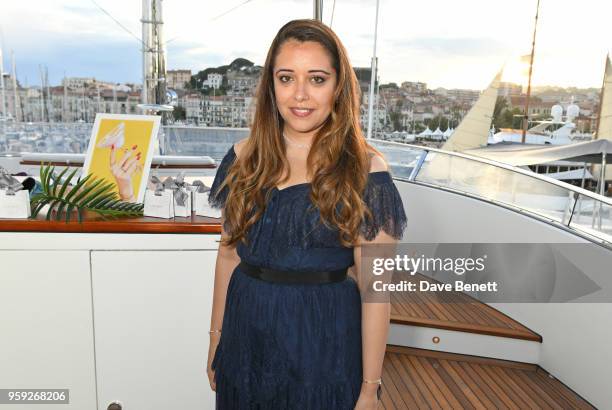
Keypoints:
pixel 216 198
pixel 383 199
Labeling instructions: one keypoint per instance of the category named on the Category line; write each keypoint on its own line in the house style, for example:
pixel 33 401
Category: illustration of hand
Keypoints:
pixel 123 170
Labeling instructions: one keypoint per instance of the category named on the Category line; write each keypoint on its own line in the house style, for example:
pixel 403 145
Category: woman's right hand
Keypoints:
pixel 212 348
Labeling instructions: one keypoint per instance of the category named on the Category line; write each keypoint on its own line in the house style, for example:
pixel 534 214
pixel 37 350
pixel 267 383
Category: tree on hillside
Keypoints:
pixel 395 121
pixel 510 118
pixel 179 113
pixel 389 85
pixel 501 105
pixel 438 121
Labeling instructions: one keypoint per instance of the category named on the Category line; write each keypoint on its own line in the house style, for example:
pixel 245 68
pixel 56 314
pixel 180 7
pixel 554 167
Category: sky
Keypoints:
pixel 445 43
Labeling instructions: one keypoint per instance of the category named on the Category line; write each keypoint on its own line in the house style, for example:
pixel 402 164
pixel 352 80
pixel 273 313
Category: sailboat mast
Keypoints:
pixel 49 104
pixel 526 118
pixel 42 94
pixel 153 59
pixel 317 10
pixel 373 76
pixel 16 102
pixel 65 102
pixel 601 97
pixel 2 92
pixel 99 100
pixel 160 53
pixel 114 109
pixel 146 64
pixel 83 105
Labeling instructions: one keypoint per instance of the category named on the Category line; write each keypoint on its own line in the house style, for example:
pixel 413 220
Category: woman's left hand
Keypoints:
pixel 367 400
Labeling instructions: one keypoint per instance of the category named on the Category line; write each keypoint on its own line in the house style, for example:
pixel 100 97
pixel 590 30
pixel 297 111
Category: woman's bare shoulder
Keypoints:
pixel 377 162
pixel 238 146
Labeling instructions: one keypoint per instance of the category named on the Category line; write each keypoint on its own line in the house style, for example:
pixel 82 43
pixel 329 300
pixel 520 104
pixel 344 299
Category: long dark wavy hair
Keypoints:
pixel 338 161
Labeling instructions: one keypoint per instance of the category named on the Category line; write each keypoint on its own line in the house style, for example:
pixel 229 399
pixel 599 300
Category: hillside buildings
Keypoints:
pixel 225 97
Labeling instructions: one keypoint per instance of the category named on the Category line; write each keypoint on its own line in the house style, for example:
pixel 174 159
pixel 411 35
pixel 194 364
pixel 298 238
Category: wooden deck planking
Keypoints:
pixel 424 379
pixel 453 311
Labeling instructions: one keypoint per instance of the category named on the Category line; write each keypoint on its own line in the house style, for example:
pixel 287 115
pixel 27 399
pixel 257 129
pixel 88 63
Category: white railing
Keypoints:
pixel 553 201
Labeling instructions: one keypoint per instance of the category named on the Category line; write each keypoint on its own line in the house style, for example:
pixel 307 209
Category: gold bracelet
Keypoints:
pixel 214 331
pixel 378 389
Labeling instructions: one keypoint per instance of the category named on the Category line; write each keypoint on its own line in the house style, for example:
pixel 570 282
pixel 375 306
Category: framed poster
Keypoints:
pixel 120 151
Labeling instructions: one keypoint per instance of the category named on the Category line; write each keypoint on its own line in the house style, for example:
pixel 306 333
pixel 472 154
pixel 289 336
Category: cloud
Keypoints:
pixel 81 10
pixel 85 56
pixel 442 42
pixel 452 47
pixel 191 55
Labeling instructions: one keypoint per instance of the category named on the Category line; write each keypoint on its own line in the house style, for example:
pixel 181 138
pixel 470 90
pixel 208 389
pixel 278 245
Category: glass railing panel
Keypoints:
pixel 199 141
pixel 497 184
pixel 74 137
pixel 593 217
pixel 402 159
pixel 69 138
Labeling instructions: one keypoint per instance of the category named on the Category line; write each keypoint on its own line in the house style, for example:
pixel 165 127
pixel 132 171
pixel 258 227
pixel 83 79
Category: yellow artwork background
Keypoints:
pixel 136 133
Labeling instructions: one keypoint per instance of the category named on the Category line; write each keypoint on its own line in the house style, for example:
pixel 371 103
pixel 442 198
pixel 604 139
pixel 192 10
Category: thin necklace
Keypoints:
pixel 295 143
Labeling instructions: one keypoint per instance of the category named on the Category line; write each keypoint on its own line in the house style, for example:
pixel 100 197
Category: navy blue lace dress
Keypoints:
pixel 296 346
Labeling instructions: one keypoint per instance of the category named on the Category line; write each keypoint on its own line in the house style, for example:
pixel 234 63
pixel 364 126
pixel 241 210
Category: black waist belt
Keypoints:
pixel 293 277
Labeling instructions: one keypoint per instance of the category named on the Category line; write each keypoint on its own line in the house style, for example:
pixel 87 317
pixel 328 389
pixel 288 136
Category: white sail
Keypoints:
pixel 473 131
pixel 604 130
pixel 605 122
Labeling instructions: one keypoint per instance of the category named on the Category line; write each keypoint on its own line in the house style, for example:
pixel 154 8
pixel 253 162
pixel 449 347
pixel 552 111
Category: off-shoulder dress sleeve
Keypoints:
pixel 385 203
pixel 216 198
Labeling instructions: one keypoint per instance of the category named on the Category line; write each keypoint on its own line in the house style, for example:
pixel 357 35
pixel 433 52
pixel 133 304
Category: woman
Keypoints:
pixel 298 198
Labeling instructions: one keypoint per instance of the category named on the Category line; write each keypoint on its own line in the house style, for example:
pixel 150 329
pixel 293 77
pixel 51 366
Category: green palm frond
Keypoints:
pixel 88 194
